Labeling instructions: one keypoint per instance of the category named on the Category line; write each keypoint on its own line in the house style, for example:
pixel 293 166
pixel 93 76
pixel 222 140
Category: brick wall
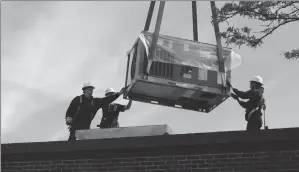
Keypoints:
pixel 283 161
pixel 279 153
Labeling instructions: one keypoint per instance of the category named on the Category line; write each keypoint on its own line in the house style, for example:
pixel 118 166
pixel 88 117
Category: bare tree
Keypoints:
pixel 274 14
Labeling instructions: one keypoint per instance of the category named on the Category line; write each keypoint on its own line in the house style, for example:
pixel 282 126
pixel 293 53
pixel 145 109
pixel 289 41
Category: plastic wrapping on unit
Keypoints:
pixel 190 53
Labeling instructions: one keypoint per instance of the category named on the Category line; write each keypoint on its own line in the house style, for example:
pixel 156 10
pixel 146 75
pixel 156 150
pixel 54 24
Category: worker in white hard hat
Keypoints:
pixel 83 108
pixel 111 111
pixel 254 105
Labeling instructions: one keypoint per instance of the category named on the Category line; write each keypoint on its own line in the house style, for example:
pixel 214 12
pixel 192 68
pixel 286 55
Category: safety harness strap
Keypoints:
pixel 260 106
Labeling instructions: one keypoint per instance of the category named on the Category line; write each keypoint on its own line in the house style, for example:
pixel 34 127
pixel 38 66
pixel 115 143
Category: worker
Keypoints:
pixel 111 111
pixel 254 105
pixel 82 109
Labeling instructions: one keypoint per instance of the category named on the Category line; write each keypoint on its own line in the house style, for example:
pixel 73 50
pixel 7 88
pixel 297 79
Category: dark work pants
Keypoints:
pixel 108 126
pixel 254 123
pixel 72 130
pixel 72 134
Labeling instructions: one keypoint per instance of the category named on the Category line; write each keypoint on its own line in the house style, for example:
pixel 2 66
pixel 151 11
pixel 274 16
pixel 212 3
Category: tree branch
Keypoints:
pixel 269 12
pixel 273 29
pixel 292 55
pixel 285 6
pixel 230 10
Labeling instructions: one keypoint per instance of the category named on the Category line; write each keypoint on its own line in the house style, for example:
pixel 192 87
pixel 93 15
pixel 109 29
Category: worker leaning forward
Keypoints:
pixel 254 105
pixel 111 111
pixel 82 109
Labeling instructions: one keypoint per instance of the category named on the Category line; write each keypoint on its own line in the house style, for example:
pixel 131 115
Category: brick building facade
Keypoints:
pixel 274 150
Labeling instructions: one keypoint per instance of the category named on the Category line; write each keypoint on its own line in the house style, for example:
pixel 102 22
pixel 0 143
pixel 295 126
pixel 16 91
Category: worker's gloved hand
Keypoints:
pixel 264 107
pixel 229 84
pixel 126 91
pixel 234 96
pixel 122 91
pixel 68 120
pixel 235 90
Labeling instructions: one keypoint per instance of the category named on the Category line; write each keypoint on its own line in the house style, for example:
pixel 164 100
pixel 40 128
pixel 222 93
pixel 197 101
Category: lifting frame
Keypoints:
pixel 195 31
pixel 153 46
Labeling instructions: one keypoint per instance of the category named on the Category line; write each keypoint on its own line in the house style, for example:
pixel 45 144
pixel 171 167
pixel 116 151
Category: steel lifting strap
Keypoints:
pixel 194 17
pixel 155 35
pixel 219 46
pixel 158 26
pixel 146 27
pixel 195 33
pixel 149 16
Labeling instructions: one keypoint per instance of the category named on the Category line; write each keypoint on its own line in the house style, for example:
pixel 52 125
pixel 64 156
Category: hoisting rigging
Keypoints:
pixel 176 72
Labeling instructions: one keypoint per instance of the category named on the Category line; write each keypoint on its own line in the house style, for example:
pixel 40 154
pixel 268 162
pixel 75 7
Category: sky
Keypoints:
pixel 49 49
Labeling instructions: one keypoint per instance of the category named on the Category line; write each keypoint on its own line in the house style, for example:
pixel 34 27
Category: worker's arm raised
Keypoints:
pixel 123 108
pixel 242 94
pixel 255 96
pixel 242 103
pixel 99 102
pixel 128 106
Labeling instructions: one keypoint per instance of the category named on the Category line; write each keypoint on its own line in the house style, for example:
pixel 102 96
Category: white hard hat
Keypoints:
pixel 109 90
pixel 257 79
pixel 87 84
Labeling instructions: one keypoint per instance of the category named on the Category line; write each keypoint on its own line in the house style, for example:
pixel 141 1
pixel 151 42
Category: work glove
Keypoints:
pixel 234 96
pixel 264 107
pixel 68 120
pixel 122 90
pixel 235 90
pixel 229 84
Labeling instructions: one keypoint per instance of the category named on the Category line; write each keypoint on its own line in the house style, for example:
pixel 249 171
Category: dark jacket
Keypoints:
pixel 87 111
pixel 255 97
pixel 110 115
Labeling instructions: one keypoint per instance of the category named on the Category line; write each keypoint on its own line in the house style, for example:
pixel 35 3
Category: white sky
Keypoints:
pixel 49 49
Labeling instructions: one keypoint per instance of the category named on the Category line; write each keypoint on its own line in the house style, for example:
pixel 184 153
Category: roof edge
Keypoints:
pixel 193 139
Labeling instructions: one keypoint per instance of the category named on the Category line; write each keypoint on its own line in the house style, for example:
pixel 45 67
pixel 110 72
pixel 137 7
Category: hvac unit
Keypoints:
pixel 181 73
